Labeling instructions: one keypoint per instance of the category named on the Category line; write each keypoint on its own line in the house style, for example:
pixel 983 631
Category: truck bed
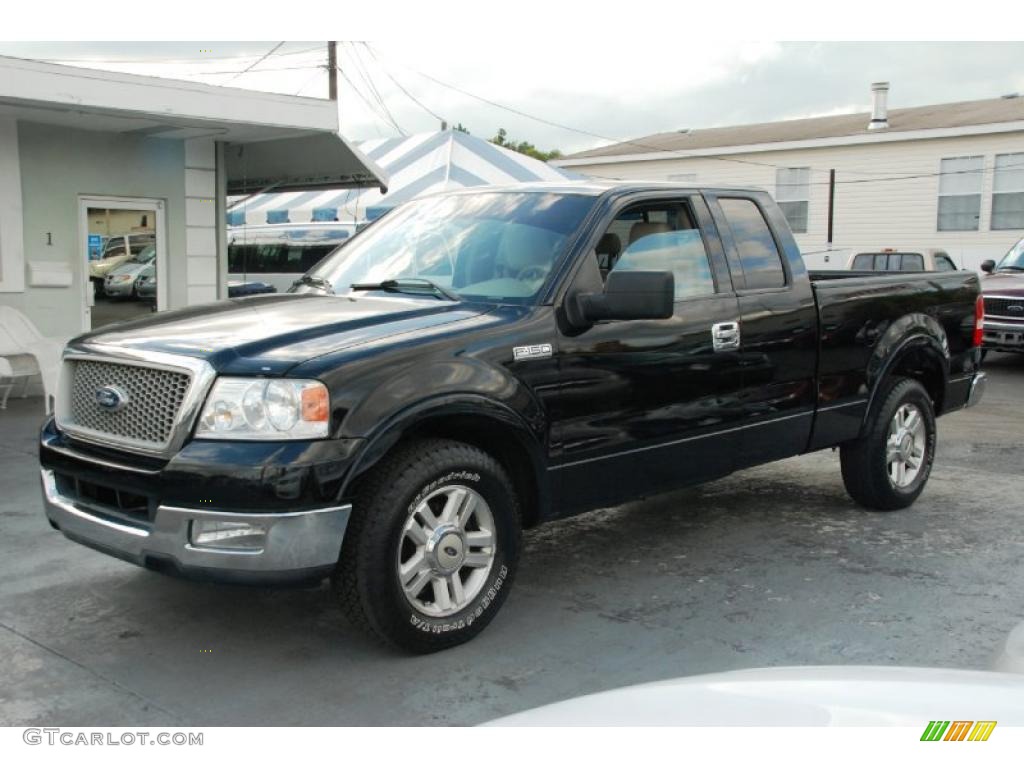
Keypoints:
pixel 861 316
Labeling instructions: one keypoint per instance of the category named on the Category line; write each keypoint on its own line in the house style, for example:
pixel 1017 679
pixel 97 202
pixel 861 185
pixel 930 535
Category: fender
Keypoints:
pixel 504 418
pixel 909 333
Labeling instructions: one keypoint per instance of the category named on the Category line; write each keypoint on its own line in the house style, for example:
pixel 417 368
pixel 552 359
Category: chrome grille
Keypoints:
pixel 1000 305
pixel 155 397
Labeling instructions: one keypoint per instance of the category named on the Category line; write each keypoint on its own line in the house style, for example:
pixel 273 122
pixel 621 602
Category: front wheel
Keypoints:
pixel 887 468
pixel 432 546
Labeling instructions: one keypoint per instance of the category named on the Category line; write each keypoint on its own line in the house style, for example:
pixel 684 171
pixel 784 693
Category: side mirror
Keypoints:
pixel 630 295
pixel 988 265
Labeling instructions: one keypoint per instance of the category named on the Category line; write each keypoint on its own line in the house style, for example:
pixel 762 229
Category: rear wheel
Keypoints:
pixel 431 547
pixel 889 466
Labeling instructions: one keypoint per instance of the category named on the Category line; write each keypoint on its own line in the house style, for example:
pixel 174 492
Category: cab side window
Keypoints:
pixel 663 237
pixel 759 256
pixel 944 263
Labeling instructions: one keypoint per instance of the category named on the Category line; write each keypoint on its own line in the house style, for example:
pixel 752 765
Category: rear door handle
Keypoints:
pixel 725 336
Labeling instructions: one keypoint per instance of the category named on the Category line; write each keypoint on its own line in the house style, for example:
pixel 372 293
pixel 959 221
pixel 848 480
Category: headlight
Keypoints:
pixel 264 409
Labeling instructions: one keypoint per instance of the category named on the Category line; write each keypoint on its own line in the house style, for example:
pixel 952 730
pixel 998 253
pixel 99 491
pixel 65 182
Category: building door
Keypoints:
pixel 123 247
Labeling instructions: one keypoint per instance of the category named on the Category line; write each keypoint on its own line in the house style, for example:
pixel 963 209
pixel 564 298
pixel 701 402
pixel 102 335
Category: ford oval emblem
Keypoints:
pixel 111 398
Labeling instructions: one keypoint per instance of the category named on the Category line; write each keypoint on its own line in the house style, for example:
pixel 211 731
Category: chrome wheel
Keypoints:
pixel 906 445
pixel 446 550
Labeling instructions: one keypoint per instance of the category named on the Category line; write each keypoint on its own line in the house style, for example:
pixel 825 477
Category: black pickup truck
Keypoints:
pixel 479 362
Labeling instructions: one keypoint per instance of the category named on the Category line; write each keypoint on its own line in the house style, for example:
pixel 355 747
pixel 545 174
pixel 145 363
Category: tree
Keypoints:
pixel 524 147
pixel 461 129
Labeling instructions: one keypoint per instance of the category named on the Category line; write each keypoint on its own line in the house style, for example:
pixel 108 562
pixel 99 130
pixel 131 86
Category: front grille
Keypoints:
pixel 154 399
pixel 1001 306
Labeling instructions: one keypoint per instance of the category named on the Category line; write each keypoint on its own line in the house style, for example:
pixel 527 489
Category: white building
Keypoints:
pixel 948 176
pixel 85 152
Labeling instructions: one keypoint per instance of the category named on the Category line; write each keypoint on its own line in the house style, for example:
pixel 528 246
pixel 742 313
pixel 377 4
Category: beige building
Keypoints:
pixel 949 176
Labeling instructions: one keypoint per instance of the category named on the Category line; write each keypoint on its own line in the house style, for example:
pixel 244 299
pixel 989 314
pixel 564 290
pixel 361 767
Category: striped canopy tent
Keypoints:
pixel 415 165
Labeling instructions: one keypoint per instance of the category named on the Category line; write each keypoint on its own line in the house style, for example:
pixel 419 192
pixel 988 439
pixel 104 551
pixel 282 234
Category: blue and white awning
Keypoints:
pixel 416 165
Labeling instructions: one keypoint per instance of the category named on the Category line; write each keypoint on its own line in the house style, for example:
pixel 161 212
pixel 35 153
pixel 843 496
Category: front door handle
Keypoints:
pixel 725 336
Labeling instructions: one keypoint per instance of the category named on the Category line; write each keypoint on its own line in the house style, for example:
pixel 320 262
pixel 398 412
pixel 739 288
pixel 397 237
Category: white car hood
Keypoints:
pixel 798 696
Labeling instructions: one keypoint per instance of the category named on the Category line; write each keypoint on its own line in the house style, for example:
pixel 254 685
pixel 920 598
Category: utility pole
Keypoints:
pixel 332 71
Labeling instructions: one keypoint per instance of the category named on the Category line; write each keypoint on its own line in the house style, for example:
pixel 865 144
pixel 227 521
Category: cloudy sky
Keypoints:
pixel 577 94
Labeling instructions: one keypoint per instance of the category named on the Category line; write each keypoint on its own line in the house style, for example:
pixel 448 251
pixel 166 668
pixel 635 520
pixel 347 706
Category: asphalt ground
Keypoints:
pixel 771 566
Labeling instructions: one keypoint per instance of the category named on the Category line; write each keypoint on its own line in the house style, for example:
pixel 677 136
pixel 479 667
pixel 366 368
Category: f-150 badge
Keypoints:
pixel 532 352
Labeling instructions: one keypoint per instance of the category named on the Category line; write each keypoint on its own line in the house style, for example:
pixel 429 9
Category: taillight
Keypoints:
pixel 979 321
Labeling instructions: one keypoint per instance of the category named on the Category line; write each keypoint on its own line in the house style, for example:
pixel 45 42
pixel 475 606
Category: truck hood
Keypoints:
pixel 1004 284
pixel 272 333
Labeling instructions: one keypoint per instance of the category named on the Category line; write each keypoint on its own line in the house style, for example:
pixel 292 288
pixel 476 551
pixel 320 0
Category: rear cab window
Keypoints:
pixel 759 256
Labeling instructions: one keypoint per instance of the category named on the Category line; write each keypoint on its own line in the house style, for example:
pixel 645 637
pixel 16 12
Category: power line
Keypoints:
pixel 158 61
pixel 400 87
pixel 253 71
pixel 724 158
pixel 562 126
pixel 935 174
pixel 368 80
pixel 367 103
pixel 258 61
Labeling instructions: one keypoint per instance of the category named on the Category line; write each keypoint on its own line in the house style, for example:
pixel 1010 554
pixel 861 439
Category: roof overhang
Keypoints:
pixel 272 140
pixel 300 163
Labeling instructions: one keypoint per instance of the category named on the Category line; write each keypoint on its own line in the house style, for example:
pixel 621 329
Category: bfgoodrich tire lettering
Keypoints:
pixel 901 430
pixel 370 582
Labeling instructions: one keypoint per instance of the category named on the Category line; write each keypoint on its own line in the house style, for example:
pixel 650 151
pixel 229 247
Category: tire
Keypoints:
pixel 870 478
pixel 378 572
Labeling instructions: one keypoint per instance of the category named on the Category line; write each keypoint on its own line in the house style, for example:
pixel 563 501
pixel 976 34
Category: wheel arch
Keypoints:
pixel 476 420
pixel 915 347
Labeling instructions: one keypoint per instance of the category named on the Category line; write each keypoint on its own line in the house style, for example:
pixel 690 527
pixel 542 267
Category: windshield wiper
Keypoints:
pixel 316 282
pixel 407 285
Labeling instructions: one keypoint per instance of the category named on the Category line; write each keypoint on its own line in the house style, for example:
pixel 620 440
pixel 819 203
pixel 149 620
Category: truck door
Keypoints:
pixel 647 405
pixel 778 327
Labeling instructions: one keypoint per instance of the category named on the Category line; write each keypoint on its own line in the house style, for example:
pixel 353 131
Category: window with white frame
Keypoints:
pixel 959 193
pixel 1008 192
pixel 792 193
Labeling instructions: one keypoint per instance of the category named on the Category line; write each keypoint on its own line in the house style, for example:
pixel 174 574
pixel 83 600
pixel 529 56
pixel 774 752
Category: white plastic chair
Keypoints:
pixel 27 353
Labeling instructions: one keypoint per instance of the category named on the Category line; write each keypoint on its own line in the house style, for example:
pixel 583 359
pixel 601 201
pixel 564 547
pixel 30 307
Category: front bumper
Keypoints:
pixel 112 288
pixel 1003 337
pixel 296 545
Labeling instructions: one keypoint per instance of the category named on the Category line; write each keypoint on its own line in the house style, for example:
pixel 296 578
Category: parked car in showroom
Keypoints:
pixel 116 252
pixel 482 361
pixel 120 281
pixel 902 260
pixel 145 283
pixel 1003 288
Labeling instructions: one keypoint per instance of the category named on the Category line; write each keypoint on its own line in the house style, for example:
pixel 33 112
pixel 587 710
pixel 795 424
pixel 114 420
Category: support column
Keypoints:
pixel 201 220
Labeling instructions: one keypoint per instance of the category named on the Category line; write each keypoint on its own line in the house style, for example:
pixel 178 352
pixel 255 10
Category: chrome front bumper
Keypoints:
pixel 295 543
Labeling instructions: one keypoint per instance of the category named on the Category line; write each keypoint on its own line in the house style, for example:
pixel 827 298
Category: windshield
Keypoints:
pixel 1014 259
pixel 492 246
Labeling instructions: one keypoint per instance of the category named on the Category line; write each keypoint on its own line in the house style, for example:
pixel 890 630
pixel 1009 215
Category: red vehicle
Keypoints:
pixel 1003 289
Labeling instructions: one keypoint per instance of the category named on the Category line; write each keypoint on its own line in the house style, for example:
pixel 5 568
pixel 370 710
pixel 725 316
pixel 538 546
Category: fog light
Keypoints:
pixel 223 534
